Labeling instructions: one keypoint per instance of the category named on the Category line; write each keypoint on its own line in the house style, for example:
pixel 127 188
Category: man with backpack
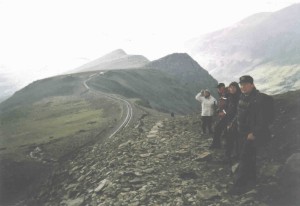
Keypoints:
pixel 254 114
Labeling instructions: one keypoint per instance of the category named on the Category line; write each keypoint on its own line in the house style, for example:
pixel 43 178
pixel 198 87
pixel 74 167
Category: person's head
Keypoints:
pixel 234 88
pixel 206 93
pixel 246 83
pixel 221 88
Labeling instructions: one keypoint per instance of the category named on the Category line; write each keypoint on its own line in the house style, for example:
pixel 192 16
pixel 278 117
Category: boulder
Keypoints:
pixel 290 177
pixel 290 174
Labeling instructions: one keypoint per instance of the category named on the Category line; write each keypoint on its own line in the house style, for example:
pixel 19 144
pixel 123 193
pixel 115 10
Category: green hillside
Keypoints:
pixel 54 86
pixel 57 114
pixel 153 87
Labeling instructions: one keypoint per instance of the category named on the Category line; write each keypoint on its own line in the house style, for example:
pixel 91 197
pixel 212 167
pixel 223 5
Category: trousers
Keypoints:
pixel 220 127
pixel 247 168
pixel 206 123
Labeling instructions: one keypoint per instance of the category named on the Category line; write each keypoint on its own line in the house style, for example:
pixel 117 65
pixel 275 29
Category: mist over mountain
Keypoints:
pixel 265 45
pixel 117 59
pixel 8 86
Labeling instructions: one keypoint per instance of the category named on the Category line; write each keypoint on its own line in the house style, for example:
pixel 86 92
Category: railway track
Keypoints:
pixel 127 105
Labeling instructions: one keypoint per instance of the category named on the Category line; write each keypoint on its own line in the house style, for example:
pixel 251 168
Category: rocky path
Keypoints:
pixel 158 162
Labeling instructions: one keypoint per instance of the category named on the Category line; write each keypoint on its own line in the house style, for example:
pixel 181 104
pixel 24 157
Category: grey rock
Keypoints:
pixel 290 175
pixel 73 202
pixel 208 194
pixel 102 184
pixel 205 156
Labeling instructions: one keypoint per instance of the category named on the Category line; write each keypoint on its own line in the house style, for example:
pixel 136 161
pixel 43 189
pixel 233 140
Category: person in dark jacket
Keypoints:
pixel 221 111
pixel 251 127
pixel 231 134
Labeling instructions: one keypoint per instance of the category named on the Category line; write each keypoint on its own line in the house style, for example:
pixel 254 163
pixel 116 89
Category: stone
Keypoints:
pixel 270 170
pixel 73 202
pixel 246 200
pixel 102 184
pixel 234 168
pixel 136 181
pixel 208 194
pixel 121 146
pixel 145 155
pixel 205 156
pixel 149 170
pixel 290 175
pixel 151 135
pixel 251 192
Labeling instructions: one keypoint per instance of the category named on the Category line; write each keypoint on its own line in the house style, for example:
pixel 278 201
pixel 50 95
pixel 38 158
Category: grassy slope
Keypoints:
pixel 152 86
pixel 54 111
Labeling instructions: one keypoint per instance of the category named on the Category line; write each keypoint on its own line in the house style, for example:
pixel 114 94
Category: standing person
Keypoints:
pixel 207 103
pixel 231 134
pixel 253 129
pixel 221 111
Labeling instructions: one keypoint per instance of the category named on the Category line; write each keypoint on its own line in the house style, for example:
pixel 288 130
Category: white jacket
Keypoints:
pixel 207 104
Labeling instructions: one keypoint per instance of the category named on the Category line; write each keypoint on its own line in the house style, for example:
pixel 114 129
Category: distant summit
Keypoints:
pixel 264 45
pixel 117 59
pixel 185 69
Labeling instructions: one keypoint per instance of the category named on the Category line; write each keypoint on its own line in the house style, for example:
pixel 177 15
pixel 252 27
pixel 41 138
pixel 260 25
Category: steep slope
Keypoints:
pixel 186 70
pixel 262 42
pixel 117 59
pixel 165 161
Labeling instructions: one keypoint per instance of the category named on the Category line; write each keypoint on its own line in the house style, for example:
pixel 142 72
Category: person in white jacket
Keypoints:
pixel 208 103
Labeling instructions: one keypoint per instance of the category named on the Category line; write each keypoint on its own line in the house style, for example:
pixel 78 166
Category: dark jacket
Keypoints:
pixel 222 102
pixel 232 104
pixel 249 115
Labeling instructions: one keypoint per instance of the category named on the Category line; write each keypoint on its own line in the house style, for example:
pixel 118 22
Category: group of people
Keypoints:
pixel 240 121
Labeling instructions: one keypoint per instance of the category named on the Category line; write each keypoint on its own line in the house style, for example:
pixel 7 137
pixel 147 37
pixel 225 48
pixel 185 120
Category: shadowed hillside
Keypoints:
pixel 187 71
pixel 154 88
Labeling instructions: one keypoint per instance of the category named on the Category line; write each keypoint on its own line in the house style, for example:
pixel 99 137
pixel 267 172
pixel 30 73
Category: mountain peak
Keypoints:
pixel 119 52
pixel 115 54
pixel 176 58
pixel 117 59
pixel 178 55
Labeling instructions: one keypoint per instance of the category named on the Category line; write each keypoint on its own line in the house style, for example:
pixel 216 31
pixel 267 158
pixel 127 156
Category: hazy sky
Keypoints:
pixel 43 37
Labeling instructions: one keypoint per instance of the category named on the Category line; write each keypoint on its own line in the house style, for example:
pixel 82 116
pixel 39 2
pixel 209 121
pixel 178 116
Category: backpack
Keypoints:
pixel 268 110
